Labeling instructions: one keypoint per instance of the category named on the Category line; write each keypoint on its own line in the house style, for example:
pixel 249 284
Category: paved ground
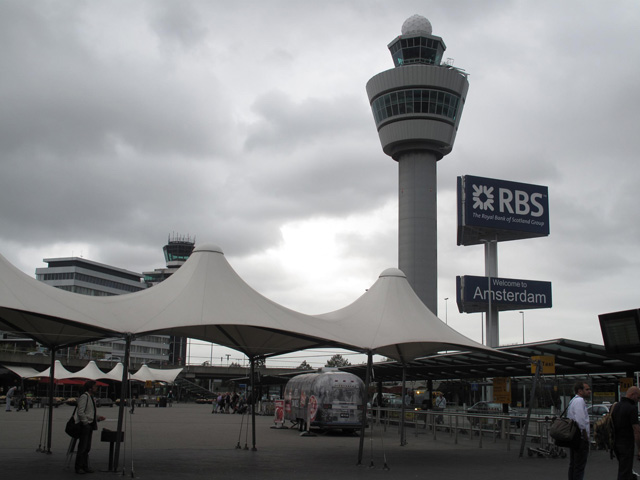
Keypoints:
pixel 187 441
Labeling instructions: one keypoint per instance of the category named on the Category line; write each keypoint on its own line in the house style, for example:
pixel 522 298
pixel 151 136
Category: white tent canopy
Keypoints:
pixel 53 317
pixel 389 319
pixel 207 300
pixel 204 299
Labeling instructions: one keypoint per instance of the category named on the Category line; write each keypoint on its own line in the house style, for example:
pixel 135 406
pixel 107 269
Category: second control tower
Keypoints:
pixel 417 107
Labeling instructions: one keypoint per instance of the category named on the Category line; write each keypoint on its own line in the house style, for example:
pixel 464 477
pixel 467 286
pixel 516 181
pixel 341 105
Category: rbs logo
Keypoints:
pixel 516 202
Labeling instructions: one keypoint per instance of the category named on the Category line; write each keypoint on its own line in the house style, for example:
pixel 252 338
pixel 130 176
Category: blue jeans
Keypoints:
pixel 578 460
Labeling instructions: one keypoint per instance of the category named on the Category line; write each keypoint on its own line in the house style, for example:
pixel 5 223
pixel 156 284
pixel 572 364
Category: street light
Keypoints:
pixel 522 326
pixel 446 310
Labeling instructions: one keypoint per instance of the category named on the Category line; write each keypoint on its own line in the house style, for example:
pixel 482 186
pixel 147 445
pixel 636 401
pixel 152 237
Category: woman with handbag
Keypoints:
pixel 86 417
pixel 577 412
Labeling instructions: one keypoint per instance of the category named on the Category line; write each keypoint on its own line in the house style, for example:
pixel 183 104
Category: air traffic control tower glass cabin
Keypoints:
pixel 417 48
pixel 417 107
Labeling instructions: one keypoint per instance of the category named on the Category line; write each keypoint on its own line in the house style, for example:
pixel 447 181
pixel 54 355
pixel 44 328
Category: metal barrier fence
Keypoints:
pixel 462 425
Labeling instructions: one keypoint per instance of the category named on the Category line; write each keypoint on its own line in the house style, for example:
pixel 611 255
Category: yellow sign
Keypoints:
pixel 502 390
pixel 548 364
pixel 148 384
pixel 625 384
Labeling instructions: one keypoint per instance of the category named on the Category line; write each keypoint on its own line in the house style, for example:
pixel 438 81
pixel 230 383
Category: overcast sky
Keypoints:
pixel 247 125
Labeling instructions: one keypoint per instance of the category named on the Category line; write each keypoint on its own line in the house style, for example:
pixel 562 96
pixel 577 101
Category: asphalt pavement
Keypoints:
pixel 187 441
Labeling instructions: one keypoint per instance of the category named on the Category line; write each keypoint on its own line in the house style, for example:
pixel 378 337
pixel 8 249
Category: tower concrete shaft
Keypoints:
pixel 417 108
pixel 418 224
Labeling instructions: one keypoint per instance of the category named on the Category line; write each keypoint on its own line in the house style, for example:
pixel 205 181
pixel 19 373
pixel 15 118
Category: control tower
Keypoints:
pixel 417 108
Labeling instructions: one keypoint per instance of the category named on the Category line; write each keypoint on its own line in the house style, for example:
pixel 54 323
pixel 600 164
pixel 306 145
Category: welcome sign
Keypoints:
pixel 475 293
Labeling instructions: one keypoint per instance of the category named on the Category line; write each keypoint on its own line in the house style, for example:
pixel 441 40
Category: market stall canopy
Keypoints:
pixel 23 372
pixel 59 372
pixel 91 372
pixel 145 374
pixel 115 373
pixel 389 319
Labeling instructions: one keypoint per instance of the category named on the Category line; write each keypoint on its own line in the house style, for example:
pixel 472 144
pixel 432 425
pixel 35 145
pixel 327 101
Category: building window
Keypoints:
pixel 415 101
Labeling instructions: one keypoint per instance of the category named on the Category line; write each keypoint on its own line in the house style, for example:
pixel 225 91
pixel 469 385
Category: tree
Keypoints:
pixel 305 366
pixel 337 361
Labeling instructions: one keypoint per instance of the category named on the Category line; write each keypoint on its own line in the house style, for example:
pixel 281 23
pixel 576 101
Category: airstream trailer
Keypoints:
pixel 329 399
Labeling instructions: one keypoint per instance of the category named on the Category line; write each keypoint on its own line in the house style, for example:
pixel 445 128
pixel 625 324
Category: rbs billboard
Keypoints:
pixel 490 209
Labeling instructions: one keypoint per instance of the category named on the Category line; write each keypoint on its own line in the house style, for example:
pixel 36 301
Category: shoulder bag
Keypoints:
pixel 565 431
pixel 72 428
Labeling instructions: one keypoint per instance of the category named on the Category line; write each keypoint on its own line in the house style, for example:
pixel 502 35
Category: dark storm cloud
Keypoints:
pixel 124 122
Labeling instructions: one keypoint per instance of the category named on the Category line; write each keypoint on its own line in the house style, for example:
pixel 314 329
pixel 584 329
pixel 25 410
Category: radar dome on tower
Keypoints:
pixel 416 25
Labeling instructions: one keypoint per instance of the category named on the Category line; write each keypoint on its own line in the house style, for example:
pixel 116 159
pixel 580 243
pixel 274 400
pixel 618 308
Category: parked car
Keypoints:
pixel 37 353
pixel 596 412
pixel 599 410
pixel 389 400
pixel 493 409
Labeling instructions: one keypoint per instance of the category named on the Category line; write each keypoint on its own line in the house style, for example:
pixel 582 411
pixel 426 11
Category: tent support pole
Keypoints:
pixel 403 437
pixel 124 389
pixel 252 364
pixel 52 377
pixel 364 405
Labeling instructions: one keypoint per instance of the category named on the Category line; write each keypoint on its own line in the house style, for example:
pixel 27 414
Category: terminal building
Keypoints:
pixel 86 277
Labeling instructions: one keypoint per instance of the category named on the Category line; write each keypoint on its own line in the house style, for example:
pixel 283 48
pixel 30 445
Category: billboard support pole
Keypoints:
pixel 491 270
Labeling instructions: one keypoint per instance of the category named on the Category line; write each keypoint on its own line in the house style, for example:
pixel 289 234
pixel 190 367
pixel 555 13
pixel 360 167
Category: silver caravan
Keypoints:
pixel 329 399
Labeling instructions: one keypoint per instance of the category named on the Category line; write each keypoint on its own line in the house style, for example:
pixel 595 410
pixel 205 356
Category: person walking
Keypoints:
pixel 441 404
pixel 86 415
pixel 577 412
pixel 627 433
pixel 10 393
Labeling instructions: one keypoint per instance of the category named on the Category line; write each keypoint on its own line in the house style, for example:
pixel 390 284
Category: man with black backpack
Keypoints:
pixel 627 433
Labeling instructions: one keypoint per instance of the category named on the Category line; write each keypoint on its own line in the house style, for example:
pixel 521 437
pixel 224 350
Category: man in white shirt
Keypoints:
pixel 577 412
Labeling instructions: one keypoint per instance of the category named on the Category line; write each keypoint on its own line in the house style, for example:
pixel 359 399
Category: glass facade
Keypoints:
pixel 412 50
pixel 177 251
pixel 415 101
pixel 81 277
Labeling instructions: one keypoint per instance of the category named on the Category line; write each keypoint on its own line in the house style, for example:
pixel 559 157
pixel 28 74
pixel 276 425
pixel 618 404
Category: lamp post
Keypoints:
pixel 446 310
pixel 522 313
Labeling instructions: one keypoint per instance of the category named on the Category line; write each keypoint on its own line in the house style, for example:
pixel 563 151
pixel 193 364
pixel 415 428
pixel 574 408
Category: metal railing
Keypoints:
pixel 460 425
